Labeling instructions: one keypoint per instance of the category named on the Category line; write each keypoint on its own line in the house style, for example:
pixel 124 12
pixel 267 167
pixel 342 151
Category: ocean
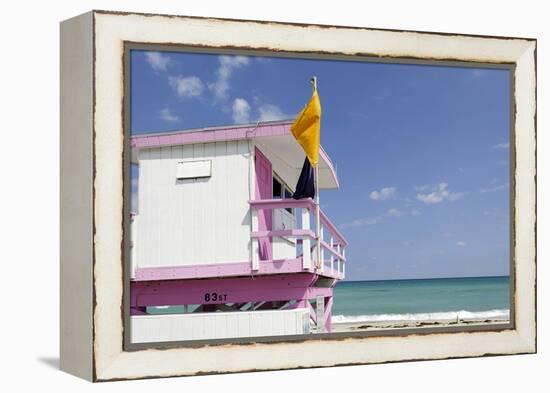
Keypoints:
pixel 422 299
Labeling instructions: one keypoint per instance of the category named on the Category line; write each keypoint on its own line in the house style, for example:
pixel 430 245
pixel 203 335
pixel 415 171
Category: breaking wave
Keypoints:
pixel 437 316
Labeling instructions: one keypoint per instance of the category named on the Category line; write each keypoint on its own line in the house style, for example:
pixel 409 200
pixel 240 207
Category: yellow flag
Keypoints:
pixel 307 129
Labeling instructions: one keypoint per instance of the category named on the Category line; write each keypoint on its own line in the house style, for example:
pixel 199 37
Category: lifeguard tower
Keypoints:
pixel 217 237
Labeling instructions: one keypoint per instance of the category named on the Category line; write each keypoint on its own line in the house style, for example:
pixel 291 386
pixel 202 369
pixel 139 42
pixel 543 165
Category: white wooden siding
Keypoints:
pixel 283 247
pixel 193 221
pixel 283 219
pixel 202 326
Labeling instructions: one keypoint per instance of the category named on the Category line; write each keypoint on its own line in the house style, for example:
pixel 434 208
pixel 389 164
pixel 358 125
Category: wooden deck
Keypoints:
pixel 236 269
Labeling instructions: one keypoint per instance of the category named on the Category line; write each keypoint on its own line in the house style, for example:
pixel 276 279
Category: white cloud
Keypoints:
pixel 461 243
pixel 499 187
pixel 384 193
pixel 394 213
pixel 389 214
pixel 189 86
pixel 241 110
pixel 225 70
pixel 269 112
pixel 157 61
pixel 364 221
pixel 438 194
pixel 501 146
pixel 167 115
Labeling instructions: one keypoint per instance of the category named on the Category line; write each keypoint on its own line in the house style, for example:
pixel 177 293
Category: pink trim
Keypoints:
pixel 232 269
pixel 225 133
pixel 281 203
pixel 264 190
pixel 299 304
pixel 209 135
pixel 285 233
pixel 234 290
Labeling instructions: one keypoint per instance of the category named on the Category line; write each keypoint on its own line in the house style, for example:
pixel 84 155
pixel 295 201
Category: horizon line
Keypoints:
pixel 427 278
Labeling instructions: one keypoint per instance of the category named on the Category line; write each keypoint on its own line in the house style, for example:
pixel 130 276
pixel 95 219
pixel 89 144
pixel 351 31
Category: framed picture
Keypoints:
pixel 247 195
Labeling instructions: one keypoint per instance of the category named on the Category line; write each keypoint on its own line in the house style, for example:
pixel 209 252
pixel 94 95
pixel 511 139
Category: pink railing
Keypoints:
pixel 333 244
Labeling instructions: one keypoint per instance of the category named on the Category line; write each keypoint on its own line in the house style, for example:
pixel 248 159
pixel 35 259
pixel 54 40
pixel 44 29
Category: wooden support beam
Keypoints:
pixel 320 313
pixel 329 301
pixel 312 314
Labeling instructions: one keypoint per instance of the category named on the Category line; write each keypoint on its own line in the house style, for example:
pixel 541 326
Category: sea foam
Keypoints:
pixel 437 316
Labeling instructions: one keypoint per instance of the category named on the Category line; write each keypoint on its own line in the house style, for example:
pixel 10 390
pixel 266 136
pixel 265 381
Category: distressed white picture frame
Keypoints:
pixel 92 151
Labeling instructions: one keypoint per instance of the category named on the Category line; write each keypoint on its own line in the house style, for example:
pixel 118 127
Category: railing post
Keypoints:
pixel 312 260
pixel 255 242
pixel 339 261
pixel 306 241
pixel 332 255
pixel 322 252
pixel 343 263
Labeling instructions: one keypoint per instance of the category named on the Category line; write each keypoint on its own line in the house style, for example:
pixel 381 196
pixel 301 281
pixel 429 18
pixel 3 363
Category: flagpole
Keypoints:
pixel 317 216
pixel 317 208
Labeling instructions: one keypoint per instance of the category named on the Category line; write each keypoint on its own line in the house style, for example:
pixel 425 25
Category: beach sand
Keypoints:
pixel 381 325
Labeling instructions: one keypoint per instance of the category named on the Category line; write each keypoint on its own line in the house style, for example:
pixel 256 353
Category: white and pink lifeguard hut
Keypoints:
pixel 216 232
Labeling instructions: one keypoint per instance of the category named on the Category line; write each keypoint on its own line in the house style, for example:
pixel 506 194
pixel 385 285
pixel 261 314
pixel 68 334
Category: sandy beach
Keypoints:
pixel 380 325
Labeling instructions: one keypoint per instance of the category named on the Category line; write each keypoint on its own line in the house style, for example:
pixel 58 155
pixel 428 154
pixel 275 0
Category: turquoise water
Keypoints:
pixel 444 298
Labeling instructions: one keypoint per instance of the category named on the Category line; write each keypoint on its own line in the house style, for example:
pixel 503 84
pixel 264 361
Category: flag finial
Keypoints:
pixel 313 81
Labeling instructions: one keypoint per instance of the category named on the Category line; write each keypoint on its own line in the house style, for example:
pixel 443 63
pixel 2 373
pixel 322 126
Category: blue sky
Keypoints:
pixel 422 152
